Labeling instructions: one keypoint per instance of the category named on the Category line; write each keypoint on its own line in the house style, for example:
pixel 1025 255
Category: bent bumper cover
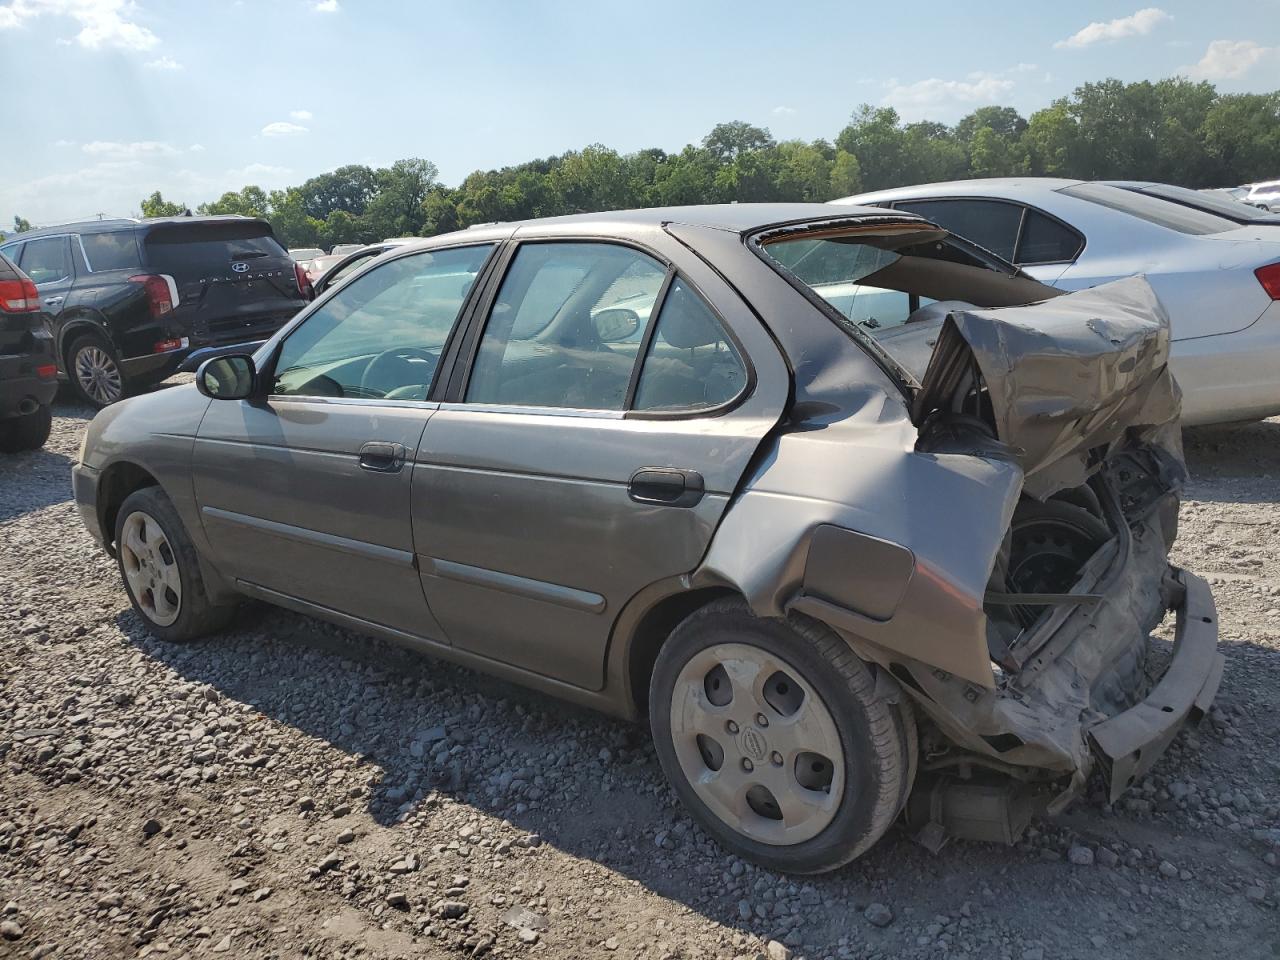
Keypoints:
pixel 1128 744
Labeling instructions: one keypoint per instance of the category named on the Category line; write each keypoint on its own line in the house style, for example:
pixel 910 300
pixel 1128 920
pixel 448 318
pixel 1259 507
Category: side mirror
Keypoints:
pixel 616 323
pixel 227 378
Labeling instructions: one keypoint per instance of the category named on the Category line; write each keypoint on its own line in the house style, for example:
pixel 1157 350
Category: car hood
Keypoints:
pixel 1064 377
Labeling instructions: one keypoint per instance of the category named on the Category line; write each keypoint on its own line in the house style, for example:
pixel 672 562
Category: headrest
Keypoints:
pixel 684 327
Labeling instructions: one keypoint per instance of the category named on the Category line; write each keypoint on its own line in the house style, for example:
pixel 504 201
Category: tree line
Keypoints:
pixel 1172 131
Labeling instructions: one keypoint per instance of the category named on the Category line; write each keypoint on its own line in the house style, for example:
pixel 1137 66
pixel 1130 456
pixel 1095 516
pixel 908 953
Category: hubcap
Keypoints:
pixel 757 744
pixel 151 569
pixel 98 374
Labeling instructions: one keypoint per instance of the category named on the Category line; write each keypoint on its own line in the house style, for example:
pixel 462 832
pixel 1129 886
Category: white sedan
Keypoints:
pixel 1218 279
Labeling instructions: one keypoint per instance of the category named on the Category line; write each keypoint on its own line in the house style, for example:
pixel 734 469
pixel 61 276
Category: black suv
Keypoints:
pixel 28 374
pixel 131 298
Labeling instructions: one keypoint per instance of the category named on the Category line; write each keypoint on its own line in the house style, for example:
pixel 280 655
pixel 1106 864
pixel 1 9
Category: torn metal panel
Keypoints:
pixel 1063 377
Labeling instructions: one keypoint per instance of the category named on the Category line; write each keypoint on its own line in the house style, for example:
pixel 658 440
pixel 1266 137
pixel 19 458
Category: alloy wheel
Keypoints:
pixel 97 374
pixel 151 569
pixel 757 744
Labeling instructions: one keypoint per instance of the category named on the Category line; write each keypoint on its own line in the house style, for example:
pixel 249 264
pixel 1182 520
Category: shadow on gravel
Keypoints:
pixel 32 481
pixel 1235 463
pixel 586 784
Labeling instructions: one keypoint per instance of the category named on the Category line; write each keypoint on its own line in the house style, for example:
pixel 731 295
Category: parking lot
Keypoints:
pixel 291 789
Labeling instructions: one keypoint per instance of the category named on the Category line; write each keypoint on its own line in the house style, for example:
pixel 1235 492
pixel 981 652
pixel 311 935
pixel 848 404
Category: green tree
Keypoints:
pixel 846 175
pixel 251 201
pixel 157 206
pixel 728 141
pixel 875 137
pixel 1242 136
pixel 22 225
pixel 348 188
pixel 289 220
pixel 396 209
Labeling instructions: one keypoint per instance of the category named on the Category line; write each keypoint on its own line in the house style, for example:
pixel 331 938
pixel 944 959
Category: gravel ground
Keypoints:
pixel 293 790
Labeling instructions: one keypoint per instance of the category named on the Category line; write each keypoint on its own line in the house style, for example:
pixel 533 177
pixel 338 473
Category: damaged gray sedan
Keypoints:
pixel 866 522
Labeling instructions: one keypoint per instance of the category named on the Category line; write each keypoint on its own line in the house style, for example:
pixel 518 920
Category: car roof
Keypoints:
pixel 740 218
pixel 1022 186
pixel 123 223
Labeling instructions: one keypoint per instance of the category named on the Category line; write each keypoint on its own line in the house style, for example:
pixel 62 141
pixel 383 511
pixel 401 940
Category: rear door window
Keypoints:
pixel 992 224
pixel 46 260
pixel 111 251
pixel 566 327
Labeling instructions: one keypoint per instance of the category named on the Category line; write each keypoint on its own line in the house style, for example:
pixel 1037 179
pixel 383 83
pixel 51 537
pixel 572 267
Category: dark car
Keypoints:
pixel 847 557
pixel 131 298
pixel 28 371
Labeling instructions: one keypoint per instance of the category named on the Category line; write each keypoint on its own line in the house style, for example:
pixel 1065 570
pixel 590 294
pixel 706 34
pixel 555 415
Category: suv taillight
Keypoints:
pixel 159 297
pixel 1269 277
pixel 304 282
pixel 19 296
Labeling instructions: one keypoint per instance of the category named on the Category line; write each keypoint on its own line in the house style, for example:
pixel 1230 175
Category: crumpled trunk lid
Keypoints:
pixel 1065 378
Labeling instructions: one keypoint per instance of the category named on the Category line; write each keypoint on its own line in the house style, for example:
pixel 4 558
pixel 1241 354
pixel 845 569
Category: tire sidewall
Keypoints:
pixel 847 834
pixel 27 432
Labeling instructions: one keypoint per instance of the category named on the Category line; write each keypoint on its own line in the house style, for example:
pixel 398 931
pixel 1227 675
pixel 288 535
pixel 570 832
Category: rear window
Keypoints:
pixel 194 247
pixel 111 251
pixel 1214 203
pixel 1162 213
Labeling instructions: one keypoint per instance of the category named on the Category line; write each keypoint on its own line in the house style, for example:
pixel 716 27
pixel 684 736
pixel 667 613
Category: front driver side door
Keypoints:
pixel 304 493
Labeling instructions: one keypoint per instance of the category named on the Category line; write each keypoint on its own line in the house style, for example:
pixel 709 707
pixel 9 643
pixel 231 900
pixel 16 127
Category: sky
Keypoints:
pixel 109 100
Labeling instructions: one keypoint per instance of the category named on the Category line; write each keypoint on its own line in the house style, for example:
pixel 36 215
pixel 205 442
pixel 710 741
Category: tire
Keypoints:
pixel 93 367
pixel 770 800
pixel 161 571
pixel 28 432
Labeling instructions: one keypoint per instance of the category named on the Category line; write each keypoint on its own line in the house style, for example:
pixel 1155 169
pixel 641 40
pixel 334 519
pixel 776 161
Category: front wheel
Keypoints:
pixel 161 571
pixel 771 734
pixel 27 432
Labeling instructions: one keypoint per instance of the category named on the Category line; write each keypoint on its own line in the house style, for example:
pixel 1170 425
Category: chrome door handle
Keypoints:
pixel 52 301
pixel 381 457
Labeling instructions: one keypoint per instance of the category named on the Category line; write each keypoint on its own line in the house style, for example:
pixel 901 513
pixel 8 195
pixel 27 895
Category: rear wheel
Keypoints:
pixel 771 734
pixel 95 372
pixel 161 571
pixel 28 432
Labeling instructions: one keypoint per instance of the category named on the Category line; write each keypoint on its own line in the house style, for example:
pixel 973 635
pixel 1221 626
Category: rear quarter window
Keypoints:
pixel 111 251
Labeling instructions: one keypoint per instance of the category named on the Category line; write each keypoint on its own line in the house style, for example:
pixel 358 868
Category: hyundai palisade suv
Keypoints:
pixel 28 374
pixel 129 299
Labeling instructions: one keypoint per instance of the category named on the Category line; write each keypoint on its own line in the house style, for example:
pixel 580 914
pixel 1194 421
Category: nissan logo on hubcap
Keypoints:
pixel 753 744
pixel 240 267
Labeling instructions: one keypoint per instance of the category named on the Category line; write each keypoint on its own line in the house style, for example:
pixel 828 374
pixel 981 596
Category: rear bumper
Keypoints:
pixel 1128 744
pixel 21 393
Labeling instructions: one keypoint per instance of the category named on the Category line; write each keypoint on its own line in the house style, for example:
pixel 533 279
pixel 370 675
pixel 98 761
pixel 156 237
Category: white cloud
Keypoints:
pixel 1138 24
pixel 64 143
pixel 196 148
pixel 325 6
pixel 257 171
pixel 140 148
pixel 1228 59
pixel 783 111
pixel 1025 68
pixel 103 23
pixel 300 114
pixel 927 98
pixel 164 63
pixel 282 128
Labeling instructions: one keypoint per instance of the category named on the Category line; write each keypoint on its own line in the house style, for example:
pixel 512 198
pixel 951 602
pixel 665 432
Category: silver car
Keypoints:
pixel 1218 278
pixel 663 464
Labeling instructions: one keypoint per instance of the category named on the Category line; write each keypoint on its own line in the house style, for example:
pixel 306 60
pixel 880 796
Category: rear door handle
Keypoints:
pixel 382 457
pixel 666 486
pixel 52 301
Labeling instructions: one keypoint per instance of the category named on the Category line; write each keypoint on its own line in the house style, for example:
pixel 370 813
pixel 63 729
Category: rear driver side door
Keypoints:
pixel 588 449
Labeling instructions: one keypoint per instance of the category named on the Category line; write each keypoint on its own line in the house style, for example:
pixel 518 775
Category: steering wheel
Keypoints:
pixel 393 365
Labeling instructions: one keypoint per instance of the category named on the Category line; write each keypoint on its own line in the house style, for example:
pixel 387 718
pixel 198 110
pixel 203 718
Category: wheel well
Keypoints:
pixel 652 631
pixel 118 481
pixel 74 331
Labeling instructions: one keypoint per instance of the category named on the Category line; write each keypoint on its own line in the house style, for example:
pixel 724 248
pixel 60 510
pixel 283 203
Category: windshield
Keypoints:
pixel 1162 213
